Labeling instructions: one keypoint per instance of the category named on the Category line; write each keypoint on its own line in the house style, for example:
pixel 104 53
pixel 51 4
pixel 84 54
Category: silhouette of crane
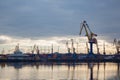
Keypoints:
pixel 117 45
pixel 90 35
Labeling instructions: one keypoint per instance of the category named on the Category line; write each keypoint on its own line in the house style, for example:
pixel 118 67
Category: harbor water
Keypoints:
pixel 59 71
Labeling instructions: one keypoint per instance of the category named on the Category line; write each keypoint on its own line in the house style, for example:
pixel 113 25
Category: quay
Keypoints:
pixel 58 57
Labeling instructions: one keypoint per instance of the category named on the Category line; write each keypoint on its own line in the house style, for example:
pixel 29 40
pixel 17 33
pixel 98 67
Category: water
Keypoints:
pixel 59 71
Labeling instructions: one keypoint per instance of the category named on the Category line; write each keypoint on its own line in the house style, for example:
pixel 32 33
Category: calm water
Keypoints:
pixel 59 71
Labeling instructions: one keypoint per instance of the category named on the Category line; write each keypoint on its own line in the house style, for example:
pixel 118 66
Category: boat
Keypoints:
pixel 17 55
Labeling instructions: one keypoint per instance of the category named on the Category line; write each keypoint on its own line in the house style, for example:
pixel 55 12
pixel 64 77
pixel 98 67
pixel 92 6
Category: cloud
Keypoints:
pixel 5 39
pixel 45 18
pixel 47 22
pixel 9 43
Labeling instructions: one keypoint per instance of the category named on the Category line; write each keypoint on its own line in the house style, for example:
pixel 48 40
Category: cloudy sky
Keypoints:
pixel 33 19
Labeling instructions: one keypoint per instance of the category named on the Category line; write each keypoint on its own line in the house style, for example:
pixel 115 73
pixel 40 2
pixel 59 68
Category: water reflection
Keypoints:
pixel 59 71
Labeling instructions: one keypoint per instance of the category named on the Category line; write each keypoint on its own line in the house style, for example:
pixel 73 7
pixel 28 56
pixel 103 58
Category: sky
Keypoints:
pixel 28 21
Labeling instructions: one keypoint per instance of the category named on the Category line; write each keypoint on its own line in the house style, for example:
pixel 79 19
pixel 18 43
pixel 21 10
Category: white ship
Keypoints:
pixel 17 55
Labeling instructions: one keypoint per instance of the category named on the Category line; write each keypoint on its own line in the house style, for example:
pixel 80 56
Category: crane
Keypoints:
pixel 52 48
pixel 73 48
pixel 117 45
pixel 90 35
pixel 77 47
pixel 67 47
pixel 33 50
pixel 37 50
pixel 104 48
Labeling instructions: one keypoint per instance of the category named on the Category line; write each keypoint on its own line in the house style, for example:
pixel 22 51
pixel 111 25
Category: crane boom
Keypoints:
pixel 83 26
pixel 90 35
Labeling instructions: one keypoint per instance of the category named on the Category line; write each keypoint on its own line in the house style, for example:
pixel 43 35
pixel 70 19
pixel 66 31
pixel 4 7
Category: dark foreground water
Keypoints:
pixel 59 71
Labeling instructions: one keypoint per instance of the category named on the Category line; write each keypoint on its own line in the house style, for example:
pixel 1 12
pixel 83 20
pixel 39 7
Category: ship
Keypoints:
pixel 18 55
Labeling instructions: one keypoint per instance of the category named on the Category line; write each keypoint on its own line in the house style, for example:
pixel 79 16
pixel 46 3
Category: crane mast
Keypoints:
pixel 117 45
pixel 73 48
pixel 52 49
pixel 67 47
pixel 90 35
pixel 77 47
pixel 37 50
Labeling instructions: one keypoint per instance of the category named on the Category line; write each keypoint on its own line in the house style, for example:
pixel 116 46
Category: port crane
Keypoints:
pixel 52 48
pixel 35 48
pixel 77 47
pixel 104 48
pixel 90 35
pixel 67 47
pixel 117 45
pixel 73 48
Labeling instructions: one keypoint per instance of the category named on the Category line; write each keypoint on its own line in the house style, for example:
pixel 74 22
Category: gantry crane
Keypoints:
pixel 73 48
pixel 67 47
pixel 77 45
pixel 90 35
pixel 52 48
pixel 117 45
pixel 104 48
pixel 35 49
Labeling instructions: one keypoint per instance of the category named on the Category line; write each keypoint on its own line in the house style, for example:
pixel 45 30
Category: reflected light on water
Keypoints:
pixel 59 71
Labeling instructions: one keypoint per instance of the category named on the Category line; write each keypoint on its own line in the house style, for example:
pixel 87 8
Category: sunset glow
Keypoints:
pixel 26 44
